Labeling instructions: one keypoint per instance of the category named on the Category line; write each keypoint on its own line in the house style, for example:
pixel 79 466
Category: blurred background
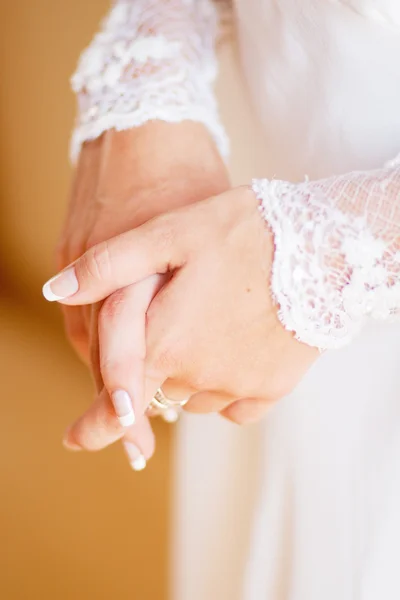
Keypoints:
pixel 84 526
pixel 72 526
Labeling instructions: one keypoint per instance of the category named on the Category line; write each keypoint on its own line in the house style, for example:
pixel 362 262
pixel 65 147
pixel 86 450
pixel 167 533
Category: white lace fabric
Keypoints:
pixel 152 59
pixel 337 252
pixel 337 241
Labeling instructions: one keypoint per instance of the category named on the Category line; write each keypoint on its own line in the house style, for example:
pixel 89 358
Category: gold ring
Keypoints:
pixel 160 402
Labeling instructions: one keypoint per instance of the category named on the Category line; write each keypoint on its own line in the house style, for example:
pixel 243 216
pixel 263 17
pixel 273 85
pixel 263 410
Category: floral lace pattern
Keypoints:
pixel 337 252
pixel 152 59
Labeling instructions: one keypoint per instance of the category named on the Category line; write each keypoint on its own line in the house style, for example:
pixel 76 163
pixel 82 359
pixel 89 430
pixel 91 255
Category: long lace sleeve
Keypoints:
pixel 152 59
pixel 337 252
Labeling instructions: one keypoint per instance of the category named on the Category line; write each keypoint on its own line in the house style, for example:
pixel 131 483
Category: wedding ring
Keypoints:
pixel 161 402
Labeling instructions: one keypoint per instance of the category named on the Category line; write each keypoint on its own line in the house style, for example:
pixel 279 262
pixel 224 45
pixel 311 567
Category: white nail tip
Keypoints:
pixel 136 458
pixel 170 415
pixel 139 464
pixel 48 294
pixel 127 420
pixel 123 407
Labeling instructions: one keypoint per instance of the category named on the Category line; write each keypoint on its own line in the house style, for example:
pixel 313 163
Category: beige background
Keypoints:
pixel 84 527
pixel 71 526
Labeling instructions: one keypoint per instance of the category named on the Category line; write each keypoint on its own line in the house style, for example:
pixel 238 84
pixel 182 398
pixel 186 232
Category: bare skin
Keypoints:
pixel 210 327
pixel 121 181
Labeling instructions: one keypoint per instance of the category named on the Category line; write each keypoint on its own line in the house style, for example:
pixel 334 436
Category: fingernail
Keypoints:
pixel 136 458
pixel 69 444
pixel 63 285
pixel 123 407
pixel 170 415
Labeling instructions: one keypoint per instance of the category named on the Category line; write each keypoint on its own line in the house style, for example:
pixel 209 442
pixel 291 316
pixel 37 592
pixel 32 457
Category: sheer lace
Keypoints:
pixel 337 252
pixel 152 59
pixel 337 241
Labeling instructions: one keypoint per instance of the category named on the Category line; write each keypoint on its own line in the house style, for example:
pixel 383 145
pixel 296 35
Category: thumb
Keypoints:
pixel 155 247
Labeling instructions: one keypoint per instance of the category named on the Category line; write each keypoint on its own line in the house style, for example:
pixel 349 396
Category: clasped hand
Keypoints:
pixel 187 306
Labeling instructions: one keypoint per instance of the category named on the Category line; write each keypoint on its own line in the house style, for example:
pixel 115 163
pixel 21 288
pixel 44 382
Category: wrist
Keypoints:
pixel 179 161
pixel 157 147
pixel 153 168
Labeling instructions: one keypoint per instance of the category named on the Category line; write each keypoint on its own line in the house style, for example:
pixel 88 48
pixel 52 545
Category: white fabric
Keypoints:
pixel 325 82
pixel 326 86
pixel 337 252
pixel 328 523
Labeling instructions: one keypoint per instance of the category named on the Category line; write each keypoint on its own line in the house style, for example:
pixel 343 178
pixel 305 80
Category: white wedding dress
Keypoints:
pixel 324 80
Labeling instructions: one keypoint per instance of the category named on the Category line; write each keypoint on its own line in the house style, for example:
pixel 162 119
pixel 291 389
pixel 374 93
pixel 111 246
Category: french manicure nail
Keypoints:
pixel 123 407
pixel 170 415
pixel 63 285
pixel 135 457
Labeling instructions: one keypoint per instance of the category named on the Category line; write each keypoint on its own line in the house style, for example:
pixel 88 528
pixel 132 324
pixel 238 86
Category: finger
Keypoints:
pixel 76 331
pixel 207 402
pixel 94 346
pixel 178 390
pixel 175 391
pixel 155 247
pixel 133 447
pixel 122 343
pixel 139 444
pixel 246 410
pixel 99 427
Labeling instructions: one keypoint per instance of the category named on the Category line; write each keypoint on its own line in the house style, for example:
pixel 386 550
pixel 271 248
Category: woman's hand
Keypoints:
pixel 125 178
pixel 212 329
pixel 122 180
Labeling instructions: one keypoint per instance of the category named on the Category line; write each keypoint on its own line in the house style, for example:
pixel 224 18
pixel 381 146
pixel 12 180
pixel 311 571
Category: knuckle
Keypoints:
pixel 96 262
pixel 116 371
pixel 112 307
pixel 113 370
pixel 165 231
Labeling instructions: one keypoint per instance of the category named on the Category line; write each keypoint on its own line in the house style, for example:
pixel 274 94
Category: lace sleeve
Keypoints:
pixel 152 59
pixel 337 252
